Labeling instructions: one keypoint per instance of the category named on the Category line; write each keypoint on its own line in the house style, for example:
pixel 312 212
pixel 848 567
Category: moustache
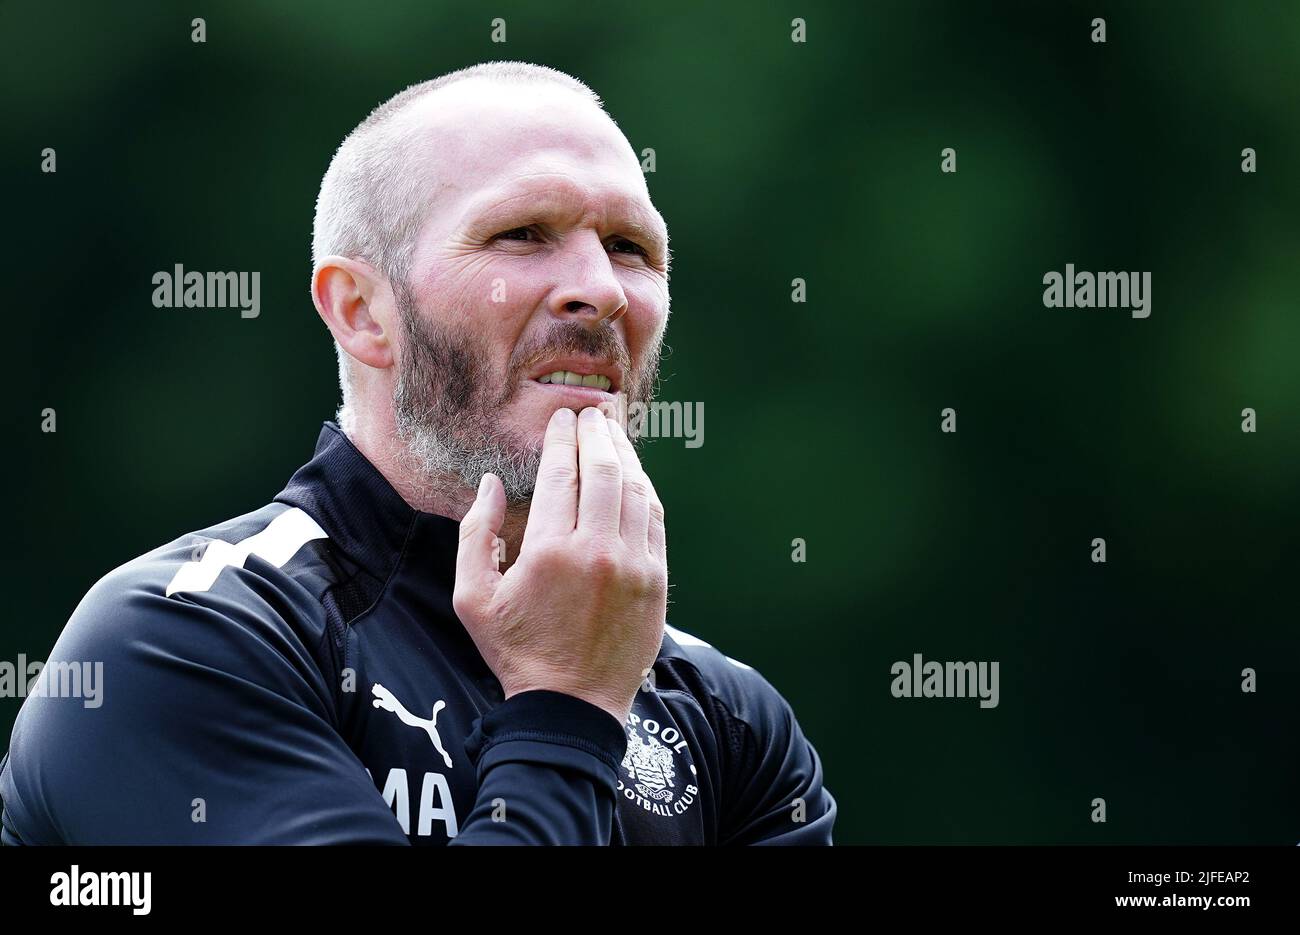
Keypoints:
pixel 571 338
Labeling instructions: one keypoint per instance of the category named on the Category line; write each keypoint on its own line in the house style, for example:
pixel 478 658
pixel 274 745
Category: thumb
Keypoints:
pixel 477 556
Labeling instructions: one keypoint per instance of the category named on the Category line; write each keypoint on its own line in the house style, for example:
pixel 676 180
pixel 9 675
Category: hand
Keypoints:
pixel 581 611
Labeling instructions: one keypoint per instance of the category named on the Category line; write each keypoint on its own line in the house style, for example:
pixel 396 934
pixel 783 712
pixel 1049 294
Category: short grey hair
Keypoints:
pixel 373 200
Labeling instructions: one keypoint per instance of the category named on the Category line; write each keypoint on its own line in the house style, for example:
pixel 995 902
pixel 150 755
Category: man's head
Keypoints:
pixel 475 233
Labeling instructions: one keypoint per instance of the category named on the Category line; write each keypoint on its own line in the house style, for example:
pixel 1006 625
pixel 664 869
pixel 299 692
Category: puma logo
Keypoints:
pixel 386 700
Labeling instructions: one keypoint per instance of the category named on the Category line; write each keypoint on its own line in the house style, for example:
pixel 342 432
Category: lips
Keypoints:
pixel 605 376
pixel 569 378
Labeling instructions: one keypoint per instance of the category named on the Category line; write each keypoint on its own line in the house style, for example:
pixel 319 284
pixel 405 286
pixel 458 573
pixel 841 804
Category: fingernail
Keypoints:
pixel 564 416
pixel 483 485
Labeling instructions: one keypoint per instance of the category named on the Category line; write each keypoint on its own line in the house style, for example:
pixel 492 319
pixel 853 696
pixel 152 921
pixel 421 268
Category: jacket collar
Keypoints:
pixel 365 517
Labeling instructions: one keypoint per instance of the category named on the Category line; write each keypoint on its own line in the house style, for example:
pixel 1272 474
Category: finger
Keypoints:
pixel 478 553
pixel 600 476
pixel 634 518
pixel 656 538
pixel 554 510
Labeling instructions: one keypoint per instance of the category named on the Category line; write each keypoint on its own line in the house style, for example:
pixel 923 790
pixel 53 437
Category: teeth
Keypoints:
pixel 569 378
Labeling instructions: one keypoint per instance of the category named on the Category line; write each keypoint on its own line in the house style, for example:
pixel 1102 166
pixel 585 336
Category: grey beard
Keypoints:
pixel 437 464
pixel 447 412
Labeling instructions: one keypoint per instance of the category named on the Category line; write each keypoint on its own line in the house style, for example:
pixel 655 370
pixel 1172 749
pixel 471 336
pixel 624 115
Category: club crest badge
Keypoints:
pixel 651 768
pixel 649 765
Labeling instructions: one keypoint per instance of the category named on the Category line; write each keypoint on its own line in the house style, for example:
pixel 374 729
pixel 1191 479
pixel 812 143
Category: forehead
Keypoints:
pixel 491 146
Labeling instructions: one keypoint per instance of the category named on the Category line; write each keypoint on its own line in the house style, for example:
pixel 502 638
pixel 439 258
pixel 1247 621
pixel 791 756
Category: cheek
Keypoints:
pixel 647 315
pixel 494 300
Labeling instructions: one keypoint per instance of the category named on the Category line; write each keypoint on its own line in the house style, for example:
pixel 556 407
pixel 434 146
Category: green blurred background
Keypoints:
pixel 775 160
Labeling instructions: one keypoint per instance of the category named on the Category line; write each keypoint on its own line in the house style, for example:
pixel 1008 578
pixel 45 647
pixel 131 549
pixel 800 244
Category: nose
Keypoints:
pixel 587 288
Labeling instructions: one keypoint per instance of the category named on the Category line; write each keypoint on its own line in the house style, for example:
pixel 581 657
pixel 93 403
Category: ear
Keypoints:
pixel 355 302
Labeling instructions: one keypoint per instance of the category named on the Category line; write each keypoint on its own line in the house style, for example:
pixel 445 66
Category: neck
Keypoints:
pixel 447 496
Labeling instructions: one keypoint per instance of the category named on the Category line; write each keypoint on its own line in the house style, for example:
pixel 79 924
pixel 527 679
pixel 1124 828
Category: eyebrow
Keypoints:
pixel 634 219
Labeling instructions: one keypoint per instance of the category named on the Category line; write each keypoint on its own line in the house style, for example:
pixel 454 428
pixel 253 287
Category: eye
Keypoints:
pixel 623 245
pixel 515 233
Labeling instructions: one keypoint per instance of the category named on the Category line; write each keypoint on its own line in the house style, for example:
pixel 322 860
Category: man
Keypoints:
pixel 449 626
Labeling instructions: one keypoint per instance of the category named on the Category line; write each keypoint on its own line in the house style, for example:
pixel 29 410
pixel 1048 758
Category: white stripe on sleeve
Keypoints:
pixel 276 544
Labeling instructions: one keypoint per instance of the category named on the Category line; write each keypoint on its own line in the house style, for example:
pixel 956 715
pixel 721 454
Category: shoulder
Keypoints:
pixel 253 570
pixel 728 689
pixel 162 661
pixel 771 786
pixel 240 600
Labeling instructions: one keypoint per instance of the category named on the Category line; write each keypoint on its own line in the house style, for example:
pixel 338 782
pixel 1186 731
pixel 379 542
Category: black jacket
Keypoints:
pixel 298 675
